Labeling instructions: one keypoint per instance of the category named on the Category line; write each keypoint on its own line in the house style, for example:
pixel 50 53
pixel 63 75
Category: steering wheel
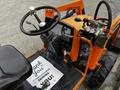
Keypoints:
pixel 107 21
pixel 43 26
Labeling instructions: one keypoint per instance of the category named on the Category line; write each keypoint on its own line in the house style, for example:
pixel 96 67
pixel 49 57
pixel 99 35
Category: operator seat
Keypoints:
pixel 14 68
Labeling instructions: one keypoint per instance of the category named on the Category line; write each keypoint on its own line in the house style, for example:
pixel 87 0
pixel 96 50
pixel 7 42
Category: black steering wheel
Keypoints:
pixel 106 21
pixel 43 26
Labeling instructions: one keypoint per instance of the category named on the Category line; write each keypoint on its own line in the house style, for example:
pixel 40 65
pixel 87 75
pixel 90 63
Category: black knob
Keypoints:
pixel 85 20
pixel 78 19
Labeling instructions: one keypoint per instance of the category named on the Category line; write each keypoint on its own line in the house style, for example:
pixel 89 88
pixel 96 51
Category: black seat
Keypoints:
pixel 14 68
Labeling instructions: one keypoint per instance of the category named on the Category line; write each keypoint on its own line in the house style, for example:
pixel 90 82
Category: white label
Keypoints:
pixel 44 71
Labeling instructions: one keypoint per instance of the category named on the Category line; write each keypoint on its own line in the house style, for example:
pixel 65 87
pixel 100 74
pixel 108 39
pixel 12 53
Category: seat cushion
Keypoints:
pixel 14 68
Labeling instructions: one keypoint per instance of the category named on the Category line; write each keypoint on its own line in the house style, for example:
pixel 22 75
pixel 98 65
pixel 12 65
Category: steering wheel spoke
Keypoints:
pixel 37 18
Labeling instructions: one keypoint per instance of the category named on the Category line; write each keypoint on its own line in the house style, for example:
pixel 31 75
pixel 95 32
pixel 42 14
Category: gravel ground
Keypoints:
pixel 11 12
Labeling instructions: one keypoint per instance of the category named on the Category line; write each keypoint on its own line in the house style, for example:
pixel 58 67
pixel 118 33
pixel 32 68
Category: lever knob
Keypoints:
pixel 32 8
pixel 85 20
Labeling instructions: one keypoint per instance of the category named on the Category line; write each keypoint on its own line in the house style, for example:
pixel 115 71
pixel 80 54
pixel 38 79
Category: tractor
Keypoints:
pixel 78 45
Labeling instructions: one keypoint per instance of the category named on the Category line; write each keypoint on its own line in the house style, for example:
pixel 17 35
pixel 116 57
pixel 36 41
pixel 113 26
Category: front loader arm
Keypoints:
pixel 115 31
pixel 77 5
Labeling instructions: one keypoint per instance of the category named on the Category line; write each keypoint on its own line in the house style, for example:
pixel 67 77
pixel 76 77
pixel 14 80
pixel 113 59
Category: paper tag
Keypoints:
pixel 44 72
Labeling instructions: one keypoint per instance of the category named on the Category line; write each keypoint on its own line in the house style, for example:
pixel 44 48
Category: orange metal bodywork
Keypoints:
pixel 96 52
pixel 115 34
pixel 76 40
pixel 76 4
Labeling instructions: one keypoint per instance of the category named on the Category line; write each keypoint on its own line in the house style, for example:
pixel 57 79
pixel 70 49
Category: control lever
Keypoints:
pixel 86 21
pixel 31 24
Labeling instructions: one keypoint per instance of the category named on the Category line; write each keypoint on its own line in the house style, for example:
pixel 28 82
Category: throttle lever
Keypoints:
pixel 31 24
pixel 85 21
